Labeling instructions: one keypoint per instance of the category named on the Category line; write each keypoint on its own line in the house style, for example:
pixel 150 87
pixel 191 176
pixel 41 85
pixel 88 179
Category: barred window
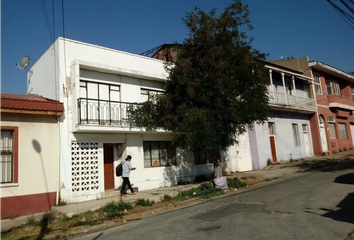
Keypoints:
pixel 7 152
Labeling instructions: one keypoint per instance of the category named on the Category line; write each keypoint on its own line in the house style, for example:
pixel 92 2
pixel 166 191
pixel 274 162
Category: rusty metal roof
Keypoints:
pixel 23 103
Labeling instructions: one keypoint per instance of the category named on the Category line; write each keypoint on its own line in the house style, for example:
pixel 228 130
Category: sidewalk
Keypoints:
pixel 269 173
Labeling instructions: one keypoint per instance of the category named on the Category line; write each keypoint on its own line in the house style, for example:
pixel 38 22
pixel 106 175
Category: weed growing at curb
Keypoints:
pixel 204 191
pixel 144 202
pixel 235 183
pixel 115 209
pixel 31 221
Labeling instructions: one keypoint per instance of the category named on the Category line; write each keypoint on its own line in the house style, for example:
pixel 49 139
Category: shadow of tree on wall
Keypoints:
pixel 186 171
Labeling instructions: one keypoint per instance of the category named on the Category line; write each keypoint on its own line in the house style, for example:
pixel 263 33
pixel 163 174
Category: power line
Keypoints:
pixel 44 9
pixel 347 6
pixel 347 18
pixel 53 20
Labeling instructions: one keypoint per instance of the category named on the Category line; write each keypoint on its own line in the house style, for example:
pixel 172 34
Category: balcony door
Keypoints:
pixel 99 103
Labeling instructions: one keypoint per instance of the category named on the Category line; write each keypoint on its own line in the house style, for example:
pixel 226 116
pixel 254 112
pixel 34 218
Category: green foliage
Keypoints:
pixel 324 153
pixel 114 209
pixel 61 202
pixel 47 218
pixel 31 221
pixel 215 89
pixel 340 150
pixel 235 183
pixel 13 216
pixel 204 191
pixel 345 149
pixel 167 198
pixel 144 202
pixel 269 162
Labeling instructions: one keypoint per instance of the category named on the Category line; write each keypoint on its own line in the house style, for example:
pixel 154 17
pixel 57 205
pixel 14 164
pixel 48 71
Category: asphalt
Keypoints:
pixel 158 194
pixel 313 205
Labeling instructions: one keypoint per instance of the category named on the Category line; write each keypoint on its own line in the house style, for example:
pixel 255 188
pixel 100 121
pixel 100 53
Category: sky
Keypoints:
pixel 282 28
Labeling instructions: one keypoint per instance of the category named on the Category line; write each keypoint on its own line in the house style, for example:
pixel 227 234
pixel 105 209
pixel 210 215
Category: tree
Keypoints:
pixel 216 87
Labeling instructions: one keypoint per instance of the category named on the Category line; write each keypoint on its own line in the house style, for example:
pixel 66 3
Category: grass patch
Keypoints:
pixel 204 191
pixel 144 202
pixel 235 183
pixel 166 198
pixel 61 202
pixel 115 209
pixel 31 221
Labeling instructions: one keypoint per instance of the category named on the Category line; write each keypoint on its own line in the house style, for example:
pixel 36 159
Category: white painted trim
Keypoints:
pixel 290 73
pixel 330 68
pixel 5 185
pixel 86 65
pixel 324 106
pixel 339 105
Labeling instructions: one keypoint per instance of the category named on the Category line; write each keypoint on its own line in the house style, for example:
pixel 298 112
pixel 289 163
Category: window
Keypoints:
pixel 144 94
pixel 159 153
pixel 332 127
pixel 271 128
pixel 203 157
pixel 99 91
pixel 296 135
pixel 318 84
pixel 289 86
pixel 329 87
pixel 342 131
pixel 336 88
pixel 9 154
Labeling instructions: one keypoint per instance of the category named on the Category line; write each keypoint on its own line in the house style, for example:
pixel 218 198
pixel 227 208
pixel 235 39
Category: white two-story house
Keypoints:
pixel 97 85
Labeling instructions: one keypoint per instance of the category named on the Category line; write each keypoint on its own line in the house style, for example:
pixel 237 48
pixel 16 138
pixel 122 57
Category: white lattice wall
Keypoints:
pixel 85 168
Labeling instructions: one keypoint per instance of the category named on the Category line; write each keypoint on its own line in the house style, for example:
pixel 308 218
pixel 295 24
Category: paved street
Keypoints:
pixel 315 205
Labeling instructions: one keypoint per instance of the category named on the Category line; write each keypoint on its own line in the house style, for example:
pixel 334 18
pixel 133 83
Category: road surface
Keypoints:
pixel 315 205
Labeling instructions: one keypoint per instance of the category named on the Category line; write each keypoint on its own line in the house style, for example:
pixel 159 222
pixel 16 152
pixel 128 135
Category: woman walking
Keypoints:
pixel 127 167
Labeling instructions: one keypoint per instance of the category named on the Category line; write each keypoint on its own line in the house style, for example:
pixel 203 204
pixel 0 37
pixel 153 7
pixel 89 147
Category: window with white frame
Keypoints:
pixel 7 156
pixel 336 89
pixel 332 127
pixel 271 128
pixel 296 135
pixel 159 153
pixel 329 87
pixel 342 130
pixel 317 83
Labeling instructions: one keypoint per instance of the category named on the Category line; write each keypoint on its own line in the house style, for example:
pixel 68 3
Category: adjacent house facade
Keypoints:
pixel 97 85
pixel 29 154
pixel 288 133
pixel 335 105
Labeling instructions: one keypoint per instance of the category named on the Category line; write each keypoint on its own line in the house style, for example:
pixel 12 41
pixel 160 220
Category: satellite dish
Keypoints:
pixel 25 62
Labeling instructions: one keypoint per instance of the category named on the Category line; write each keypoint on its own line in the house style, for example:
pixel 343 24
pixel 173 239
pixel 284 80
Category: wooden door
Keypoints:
pixel 273 149
pixel 108 158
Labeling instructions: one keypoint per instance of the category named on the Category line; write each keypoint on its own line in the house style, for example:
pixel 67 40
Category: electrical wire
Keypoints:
pixel 46 19
pixel 347 18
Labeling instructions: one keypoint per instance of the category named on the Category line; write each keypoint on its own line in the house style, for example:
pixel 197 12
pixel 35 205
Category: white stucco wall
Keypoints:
pixel 284 139
pixel 38 172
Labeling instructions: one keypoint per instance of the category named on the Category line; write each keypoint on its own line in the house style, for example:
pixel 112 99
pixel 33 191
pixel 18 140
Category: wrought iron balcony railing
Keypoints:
pixel 104 113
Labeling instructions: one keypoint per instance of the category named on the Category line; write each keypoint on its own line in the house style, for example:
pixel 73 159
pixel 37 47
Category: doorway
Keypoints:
pixel 352 131
pixel 307 143
pixel 108 158
pixel 323 135
pixel 271 127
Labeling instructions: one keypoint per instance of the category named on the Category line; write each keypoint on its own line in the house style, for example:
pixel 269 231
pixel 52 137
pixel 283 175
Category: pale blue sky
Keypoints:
pixel 281 28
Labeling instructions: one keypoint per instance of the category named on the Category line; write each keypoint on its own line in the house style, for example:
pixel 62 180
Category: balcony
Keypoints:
pixel 93 112
pixel 282 100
